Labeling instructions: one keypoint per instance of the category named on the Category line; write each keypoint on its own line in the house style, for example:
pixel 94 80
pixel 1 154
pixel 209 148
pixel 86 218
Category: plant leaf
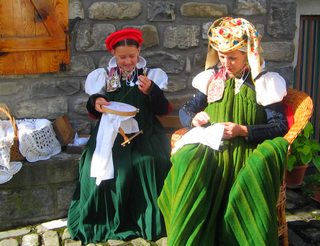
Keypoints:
pixel 291 162
pixel 316 162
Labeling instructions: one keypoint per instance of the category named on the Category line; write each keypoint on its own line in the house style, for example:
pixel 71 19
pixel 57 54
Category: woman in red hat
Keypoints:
pixel 119 185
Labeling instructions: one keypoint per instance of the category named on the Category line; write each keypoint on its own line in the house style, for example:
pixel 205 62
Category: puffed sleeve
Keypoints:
pixel 95 81
pixel 159 77
pixel 270 88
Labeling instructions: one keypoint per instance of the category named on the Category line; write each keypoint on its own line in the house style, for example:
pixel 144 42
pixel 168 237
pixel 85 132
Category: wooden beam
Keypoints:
pixel 32 44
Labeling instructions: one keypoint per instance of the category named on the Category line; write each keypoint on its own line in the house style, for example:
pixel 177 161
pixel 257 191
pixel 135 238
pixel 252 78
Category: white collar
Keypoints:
pixel 141 63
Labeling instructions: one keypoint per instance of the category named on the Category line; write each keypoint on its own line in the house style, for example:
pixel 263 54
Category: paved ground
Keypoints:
pixel 303 217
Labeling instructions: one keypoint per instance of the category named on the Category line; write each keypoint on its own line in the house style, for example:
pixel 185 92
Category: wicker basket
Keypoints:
pixel 15 154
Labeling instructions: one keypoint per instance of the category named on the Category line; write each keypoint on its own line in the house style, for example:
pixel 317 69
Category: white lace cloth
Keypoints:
pixel 37 141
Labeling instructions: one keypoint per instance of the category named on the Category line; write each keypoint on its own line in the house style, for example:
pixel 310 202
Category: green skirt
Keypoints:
pixel 126 206
pixel 206 202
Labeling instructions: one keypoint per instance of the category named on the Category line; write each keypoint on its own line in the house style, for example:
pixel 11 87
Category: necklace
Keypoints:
pixel 128 76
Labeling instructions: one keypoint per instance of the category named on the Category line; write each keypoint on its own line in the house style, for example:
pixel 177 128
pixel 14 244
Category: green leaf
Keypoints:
pixel 306 159
pixel 291 162
pixel 316 162
pixel 315 145
pixel 304 149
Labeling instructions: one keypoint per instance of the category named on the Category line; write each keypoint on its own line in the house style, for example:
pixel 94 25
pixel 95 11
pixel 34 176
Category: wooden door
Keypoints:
pixel 33 36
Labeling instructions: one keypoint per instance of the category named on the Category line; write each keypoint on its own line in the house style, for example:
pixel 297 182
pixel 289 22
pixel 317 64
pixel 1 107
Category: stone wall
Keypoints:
pixel 39 192
pixel 175 40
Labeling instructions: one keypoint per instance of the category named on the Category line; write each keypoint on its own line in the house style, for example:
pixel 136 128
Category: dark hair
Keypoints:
pixel 126 42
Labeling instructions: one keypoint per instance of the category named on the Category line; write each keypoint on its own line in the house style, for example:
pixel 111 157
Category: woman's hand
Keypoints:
pixel 232 130
pixel 100 101
pixel 144 84
pixel 200 119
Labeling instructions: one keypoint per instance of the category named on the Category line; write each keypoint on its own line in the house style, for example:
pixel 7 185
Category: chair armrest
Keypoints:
pixel 177 135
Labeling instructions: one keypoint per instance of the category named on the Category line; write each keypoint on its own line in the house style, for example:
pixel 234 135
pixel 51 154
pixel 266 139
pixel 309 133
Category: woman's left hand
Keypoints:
pixel 144 84
pixel 232 130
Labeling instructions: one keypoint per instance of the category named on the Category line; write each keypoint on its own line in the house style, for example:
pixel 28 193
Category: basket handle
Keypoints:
pixel 4 109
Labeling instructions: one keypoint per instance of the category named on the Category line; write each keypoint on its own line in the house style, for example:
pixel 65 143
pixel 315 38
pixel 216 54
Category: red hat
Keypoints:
pixel 126 33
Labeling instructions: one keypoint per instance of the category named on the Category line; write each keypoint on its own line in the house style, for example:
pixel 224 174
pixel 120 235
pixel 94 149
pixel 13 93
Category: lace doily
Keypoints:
pixel 37 139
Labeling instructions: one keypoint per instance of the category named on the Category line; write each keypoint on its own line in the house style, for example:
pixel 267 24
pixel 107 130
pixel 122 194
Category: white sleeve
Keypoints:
pixel 95 81
pixel 158 76
pixel 270 88
pixel 201 80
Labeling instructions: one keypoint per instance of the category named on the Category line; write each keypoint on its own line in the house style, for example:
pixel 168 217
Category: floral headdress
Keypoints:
pixel 229 34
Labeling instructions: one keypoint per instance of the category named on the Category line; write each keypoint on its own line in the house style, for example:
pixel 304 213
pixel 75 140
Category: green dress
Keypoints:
pixel 124 207
pixel 225 197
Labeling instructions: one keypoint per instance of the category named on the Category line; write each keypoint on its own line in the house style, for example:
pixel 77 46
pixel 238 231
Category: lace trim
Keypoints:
pixel 37 139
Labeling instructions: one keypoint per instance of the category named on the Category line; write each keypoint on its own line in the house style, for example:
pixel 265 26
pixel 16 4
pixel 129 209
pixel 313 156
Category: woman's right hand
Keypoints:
pixel 200 119
pixel 99 102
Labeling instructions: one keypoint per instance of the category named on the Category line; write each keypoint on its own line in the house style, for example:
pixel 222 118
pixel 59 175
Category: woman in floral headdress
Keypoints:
pixel 119 185
pixel 227 195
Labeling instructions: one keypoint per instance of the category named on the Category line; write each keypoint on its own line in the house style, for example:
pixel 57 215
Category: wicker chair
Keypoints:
pixel 302 108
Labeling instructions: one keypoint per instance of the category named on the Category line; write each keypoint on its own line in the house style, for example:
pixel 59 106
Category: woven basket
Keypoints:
pixel 15 154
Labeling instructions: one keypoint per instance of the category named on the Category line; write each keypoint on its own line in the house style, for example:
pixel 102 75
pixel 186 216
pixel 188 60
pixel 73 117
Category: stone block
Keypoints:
pixel 39 192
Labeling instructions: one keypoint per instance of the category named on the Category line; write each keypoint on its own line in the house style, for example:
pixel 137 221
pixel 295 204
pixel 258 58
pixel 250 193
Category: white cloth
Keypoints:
pixel 210 136
pixel 37 141
pixel 7 168
pixel 6 141
pixel 96 80
pixel 79 141
pixel 6 173
pixel 102 162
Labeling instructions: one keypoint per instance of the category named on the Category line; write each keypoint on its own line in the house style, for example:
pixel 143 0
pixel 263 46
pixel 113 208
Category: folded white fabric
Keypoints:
pixel 102 162
pixel 210 136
